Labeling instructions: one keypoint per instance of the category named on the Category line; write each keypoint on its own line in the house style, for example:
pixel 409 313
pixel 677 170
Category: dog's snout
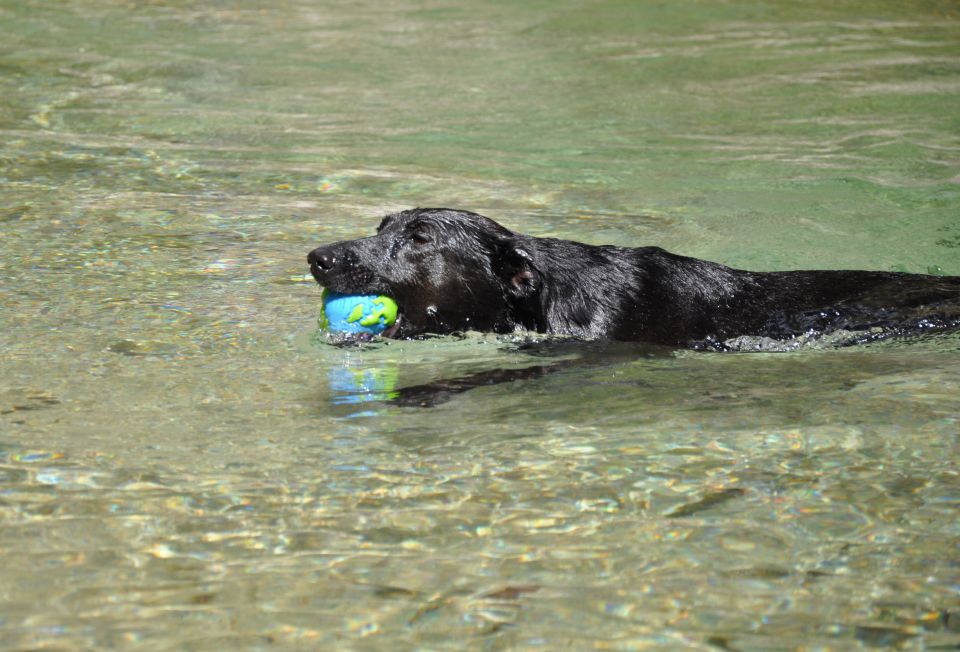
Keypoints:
pixel 322 258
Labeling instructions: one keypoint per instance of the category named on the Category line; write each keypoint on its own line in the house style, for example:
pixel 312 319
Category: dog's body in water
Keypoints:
pixel 451 270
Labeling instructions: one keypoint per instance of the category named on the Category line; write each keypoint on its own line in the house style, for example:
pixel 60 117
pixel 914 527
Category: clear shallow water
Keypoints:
pixel 185 467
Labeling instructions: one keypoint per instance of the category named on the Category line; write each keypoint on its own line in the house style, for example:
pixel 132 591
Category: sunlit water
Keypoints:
pixel 185 464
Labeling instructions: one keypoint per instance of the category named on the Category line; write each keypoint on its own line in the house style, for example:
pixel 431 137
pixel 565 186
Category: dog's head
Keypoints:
pixel 448 270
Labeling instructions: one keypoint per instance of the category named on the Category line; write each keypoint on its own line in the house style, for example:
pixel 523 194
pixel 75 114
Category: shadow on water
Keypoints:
pixel 363 374
pixel 572 355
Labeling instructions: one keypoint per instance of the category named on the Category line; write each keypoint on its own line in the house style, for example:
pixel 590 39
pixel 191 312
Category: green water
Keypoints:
pixel 184 466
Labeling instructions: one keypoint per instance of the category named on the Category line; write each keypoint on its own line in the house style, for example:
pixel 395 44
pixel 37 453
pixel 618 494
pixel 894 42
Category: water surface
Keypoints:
pixel 185 465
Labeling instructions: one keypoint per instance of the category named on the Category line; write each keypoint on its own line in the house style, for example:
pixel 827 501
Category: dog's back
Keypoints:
pixel 690 301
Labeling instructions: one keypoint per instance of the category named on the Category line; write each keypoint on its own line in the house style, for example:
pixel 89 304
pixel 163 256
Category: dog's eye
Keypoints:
pixel 419 238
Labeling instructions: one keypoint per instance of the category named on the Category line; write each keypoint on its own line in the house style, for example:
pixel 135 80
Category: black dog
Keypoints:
pixel 451 270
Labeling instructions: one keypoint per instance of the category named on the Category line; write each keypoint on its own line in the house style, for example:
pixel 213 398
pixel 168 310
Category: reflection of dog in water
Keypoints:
pixel 451 270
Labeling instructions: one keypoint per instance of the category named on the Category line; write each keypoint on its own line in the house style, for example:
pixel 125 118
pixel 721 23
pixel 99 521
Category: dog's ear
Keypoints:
pixel 513 263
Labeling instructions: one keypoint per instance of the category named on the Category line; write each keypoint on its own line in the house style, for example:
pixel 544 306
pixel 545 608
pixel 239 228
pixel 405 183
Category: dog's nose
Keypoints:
pixel 323 258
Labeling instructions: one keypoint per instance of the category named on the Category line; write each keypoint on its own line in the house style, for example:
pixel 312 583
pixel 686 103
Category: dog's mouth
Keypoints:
pixel 395 329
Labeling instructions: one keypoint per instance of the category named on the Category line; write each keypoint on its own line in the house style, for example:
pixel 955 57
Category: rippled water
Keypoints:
pixel 184 464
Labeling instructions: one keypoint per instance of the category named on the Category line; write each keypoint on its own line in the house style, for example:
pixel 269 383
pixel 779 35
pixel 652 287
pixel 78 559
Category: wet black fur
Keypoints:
pixel 452 270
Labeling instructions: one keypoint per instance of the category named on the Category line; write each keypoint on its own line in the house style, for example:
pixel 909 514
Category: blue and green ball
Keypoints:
pixel 357 313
